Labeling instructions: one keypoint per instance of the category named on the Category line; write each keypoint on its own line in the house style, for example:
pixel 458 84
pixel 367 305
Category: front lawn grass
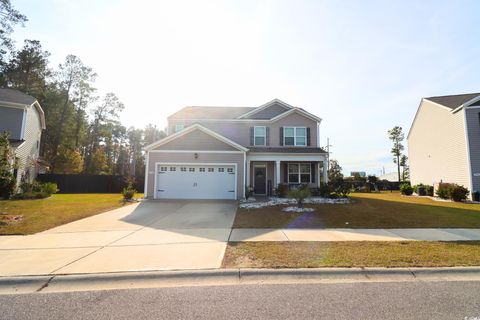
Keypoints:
pixel 351 254
pixel 42 214
pixel 368 210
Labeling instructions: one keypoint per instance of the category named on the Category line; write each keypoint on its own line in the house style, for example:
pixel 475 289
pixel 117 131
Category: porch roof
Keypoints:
pixel 292 150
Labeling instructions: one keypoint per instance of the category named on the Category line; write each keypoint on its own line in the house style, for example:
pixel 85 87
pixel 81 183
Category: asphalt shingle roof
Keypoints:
pixel 453 101
pixel 15 96
pixel 194 112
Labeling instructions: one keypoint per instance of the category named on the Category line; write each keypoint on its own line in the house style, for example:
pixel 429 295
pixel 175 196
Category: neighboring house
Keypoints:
pixel 362 174
pixel 391 176
pixel 444 141
pixel 22 117
pixel 216 152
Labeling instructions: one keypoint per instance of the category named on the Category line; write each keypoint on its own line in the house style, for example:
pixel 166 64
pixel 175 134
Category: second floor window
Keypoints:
pixel 294 136
pixel 260 136
pixel 179 127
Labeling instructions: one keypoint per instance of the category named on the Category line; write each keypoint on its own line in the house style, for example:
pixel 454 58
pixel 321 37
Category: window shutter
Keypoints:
pixel 285 171
pixel 308 137
pixel 267 136
pixel 252 137
pixel 313 172
pixel 281 136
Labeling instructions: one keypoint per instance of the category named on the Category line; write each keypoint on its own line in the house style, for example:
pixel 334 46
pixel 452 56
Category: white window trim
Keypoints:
pixel 295 137
pixel 299 173
pixel 179 127
pixel 264 136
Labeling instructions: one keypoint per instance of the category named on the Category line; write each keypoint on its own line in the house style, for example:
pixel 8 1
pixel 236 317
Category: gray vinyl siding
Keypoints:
pixel 11 120
pixel 269 113
pixel 28 152
pixel 240 131
pixel 437 146
pixel 154 157
pixel 473 130
pixel 196 140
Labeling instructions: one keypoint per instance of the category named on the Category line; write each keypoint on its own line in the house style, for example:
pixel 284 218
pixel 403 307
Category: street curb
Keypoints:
pixel 155 279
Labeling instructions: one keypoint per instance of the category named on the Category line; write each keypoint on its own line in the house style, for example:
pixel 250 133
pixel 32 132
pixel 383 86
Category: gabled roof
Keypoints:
pixel 240 113
pixel 190 129
pixel 453 101
pixel 15 98
pixel 197 112
pixel 251 114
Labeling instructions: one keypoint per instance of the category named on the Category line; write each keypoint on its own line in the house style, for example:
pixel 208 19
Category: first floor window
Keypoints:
pixel 299 173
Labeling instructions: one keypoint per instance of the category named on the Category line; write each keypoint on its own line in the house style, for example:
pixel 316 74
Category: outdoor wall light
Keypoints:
pixel 195 155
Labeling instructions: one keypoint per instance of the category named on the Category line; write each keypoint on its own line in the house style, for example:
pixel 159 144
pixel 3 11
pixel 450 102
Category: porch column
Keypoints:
pixel 247 172
pixel 325 171
pixel 277 173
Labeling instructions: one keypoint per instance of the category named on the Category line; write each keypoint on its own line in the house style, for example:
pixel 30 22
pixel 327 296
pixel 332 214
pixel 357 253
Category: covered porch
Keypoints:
pixel 265 172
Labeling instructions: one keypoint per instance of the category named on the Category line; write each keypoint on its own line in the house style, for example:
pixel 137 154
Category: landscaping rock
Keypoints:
pixel 297 209
pixel 279 201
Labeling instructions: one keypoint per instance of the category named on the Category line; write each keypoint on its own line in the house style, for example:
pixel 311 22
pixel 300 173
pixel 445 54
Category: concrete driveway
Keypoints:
pixel 152 235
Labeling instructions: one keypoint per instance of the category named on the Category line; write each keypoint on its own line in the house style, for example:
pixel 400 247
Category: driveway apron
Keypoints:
pixel 151 235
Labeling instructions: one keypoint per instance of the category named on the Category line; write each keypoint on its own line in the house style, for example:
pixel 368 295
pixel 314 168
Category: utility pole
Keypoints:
pixel 328 154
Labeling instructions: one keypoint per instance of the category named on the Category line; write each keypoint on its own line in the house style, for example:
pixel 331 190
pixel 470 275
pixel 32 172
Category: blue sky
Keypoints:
pixel 362 66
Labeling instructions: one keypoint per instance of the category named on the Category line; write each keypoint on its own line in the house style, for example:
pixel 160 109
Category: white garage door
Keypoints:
pixel 195 181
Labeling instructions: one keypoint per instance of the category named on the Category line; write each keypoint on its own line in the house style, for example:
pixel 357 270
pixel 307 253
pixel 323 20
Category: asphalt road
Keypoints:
pixel 402 300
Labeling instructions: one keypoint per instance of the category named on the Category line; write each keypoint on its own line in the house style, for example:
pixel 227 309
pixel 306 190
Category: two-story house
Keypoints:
pixel 22 117
pixel 218 152
pixel 444 141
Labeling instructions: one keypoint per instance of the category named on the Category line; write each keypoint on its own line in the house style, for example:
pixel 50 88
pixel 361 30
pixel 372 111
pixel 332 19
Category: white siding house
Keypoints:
pixel 22 117
pixel 441 145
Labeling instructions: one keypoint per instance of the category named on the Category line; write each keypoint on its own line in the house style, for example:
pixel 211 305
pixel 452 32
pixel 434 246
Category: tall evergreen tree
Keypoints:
pixel 28 69
pixel 71 75
pixel 396 136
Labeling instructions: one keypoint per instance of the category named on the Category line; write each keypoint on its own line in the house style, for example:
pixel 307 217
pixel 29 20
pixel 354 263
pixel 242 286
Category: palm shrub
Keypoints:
pixel 406 189
pixel 128 192
pixel 299 194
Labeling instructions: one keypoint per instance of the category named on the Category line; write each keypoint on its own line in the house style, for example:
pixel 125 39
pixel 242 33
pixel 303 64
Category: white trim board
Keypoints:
pixel 195 151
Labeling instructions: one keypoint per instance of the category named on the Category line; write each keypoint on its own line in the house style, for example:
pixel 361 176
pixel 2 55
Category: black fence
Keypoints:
pixel 89 183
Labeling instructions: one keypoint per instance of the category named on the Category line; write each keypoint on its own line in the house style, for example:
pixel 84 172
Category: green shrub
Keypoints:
pixel 299 194
pixel 429 190
pixel 49 188
pixel 30 195
pixel 406 189
pixel 333 195
pixel 443 191
pixel 128 192
pixel 7 185
pixel 343 190
pixel 282 190
pixel 33 186
pixel 324 190
pixel 458 193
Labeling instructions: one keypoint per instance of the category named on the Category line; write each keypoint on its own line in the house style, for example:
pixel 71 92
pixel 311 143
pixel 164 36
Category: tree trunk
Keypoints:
pixel 398 168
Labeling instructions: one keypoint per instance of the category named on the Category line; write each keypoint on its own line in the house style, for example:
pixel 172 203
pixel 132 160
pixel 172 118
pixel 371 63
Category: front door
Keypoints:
pixel 260 183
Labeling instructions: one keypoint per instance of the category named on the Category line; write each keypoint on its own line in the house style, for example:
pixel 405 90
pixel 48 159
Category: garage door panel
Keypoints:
pixel 196 182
